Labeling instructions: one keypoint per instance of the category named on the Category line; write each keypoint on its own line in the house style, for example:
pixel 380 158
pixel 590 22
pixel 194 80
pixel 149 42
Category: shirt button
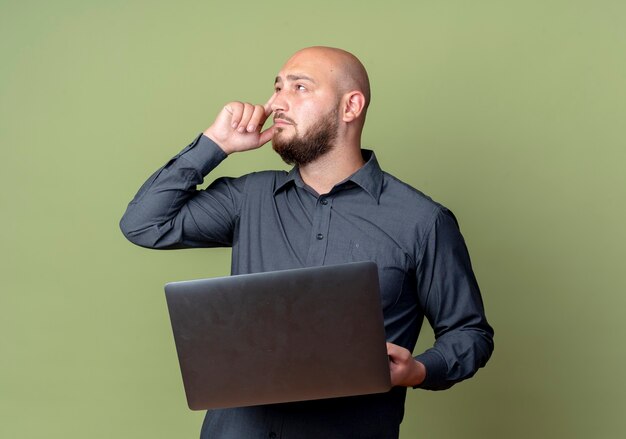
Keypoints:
pixel 320 236
pixel 272 435
pixel 324 201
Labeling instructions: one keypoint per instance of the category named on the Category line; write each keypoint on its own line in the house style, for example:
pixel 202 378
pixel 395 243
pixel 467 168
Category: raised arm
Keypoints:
pixel 169 212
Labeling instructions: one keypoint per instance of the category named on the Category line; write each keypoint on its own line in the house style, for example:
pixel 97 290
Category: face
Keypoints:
pixel 305 106
pixel 301 149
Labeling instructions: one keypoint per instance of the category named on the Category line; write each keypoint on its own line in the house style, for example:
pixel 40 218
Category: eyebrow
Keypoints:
pixel 294 78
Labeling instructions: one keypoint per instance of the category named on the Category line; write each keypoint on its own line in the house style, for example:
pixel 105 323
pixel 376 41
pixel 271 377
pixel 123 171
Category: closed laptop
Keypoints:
pixel 280 336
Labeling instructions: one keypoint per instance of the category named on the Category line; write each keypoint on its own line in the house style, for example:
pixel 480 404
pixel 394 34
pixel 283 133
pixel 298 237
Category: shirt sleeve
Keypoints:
pixel 452 303
pixel 169 212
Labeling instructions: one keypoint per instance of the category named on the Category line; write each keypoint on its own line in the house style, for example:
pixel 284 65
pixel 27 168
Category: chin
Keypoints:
pixel 281 135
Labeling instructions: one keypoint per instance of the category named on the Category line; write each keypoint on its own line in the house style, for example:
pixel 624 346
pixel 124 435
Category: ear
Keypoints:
pixel 352 106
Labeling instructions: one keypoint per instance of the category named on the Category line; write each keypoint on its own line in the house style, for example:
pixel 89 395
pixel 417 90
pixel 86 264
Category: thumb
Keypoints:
pixel 266 135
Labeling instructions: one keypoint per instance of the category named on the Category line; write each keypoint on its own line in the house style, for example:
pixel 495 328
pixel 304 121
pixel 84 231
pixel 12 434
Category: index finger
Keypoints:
pixel 268 105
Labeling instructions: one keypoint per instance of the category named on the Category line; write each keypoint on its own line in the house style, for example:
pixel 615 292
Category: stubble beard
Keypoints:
pixel 303 149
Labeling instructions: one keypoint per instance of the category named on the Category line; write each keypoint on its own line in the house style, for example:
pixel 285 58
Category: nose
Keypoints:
pixel 278 102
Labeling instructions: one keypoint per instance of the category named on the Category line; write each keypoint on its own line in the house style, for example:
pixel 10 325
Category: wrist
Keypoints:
pixel 209 133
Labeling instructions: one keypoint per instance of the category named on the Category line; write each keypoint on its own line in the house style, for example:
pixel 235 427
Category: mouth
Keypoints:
pixel 283 120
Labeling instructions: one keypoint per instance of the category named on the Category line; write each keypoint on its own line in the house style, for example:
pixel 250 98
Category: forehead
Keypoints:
pixel 307 66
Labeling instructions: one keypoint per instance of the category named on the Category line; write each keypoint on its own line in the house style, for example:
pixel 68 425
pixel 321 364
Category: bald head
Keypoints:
pixel 319 104
pixel 346 69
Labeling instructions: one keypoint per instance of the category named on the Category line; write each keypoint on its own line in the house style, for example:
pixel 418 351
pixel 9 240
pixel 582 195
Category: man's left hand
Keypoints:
pixel 405 370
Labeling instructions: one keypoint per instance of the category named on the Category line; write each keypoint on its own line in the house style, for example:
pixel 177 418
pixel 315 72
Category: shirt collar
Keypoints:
pixel 369 177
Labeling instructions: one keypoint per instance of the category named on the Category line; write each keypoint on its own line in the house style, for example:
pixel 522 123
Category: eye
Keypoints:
pixel 276 89
pixel 300 87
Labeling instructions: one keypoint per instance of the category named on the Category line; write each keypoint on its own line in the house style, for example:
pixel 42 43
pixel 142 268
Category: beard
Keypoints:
pixel 303 149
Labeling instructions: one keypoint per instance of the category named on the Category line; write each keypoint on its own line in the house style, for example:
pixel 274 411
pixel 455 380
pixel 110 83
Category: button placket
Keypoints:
pixel 319 232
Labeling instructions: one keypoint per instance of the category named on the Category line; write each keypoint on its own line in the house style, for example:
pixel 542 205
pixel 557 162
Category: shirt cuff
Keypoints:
pixel 436 371
pixel 203 153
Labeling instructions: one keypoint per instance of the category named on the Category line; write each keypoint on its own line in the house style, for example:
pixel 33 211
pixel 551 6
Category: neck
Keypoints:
pixel 333 167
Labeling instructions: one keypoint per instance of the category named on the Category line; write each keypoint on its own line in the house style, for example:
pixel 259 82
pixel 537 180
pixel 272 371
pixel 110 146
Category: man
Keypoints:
pixel 335 206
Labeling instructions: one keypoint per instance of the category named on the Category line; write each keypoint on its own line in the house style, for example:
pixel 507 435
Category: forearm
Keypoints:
pixel 455 357
pixel 151 219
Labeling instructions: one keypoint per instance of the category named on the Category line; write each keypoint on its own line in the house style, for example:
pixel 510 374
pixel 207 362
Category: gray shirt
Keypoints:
pixel 274 221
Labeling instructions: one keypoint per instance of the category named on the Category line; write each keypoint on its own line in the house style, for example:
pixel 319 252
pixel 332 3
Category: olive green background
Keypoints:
pixel 512 114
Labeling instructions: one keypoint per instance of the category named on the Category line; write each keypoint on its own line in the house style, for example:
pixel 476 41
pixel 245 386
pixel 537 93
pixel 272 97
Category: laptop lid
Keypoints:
pixel 280 336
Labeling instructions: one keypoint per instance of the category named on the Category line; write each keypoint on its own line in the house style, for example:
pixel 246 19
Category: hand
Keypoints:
pixel 405 370
pixel 238 127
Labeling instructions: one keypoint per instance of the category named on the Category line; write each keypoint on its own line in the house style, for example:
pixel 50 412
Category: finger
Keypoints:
pixel 255 123
pixel 392 349
pixel 257 120
pixel 266 136
pixel 397 354
pixel 248 109
pixel 268 105
pixel 236 110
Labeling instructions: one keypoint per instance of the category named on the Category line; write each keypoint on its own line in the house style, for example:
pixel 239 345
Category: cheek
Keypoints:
pixel 309 109
pixel 309 117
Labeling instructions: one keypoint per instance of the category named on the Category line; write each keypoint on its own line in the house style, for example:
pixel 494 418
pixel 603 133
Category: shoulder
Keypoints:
pixel 419 212
pixel 264 180
pixel 254 183
pixel 412 201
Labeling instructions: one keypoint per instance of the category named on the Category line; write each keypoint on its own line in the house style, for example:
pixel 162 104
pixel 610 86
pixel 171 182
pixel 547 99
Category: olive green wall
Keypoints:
pixel 510 113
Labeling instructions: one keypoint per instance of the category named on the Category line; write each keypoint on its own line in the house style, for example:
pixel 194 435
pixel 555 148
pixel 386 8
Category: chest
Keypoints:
pixel 297 229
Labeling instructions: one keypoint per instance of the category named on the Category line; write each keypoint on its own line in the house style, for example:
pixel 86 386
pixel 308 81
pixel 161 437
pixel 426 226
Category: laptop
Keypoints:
pixel 280 336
